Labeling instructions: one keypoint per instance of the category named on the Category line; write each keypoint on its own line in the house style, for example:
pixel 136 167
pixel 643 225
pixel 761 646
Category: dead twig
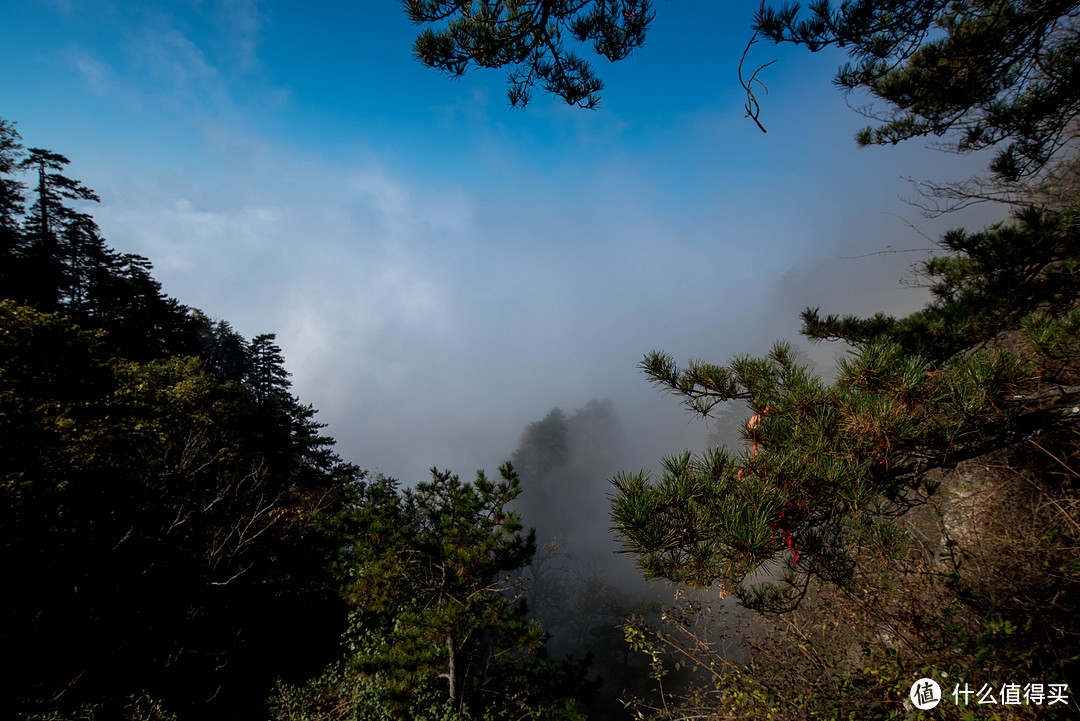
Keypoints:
pixel 753 109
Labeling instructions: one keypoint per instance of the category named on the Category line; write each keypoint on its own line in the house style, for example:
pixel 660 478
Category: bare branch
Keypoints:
pixel 753 109
pixel 1047 393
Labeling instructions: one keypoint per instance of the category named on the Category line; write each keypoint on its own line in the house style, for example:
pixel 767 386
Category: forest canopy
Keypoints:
pixel 184 542
pixel 161 487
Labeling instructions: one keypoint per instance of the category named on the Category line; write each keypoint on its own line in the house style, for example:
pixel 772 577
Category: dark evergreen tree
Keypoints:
pixel 89 265
pixel 45 223
pixel 266 374
pixel 528 37
pixel 823 500
pixel 435 632
pixel 55 259
pixel 985 72
pixel 145 322
pixel 161 489
pixel 828 466
pixel 224 352
pixel 983 289
pixel 564 463
pixel 11 208
pixel 543 445
pixel 161 526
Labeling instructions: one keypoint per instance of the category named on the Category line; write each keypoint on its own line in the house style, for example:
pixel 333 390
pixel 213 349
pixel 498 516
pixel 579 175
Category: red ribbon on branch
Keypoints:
pixel 785 533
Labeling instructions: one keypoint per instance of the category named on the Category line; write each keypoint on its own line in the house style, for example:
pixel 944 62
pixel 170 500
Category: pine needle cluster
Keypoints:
pixel 827 471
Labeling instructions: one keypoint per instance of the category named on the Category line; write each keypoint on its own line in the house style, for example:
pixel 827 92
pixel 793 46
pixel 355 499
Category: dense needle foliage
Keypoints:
pixel 829 467
pixel 435 631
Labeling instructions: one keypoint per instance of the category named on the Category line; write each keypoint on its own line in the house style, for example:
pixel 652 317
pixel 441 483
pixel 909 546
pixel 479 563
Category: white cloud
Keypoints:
pixel 431 320
pixel 240 22
pixel 430 323
pixel 97 74
pixel 168 55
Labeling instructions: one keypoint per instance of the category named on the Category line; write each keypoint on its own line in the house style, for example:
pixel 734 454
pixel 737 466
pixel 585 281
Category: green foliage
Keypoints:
pixel 53 258
pixel 984 287
pixel 340 694
pixel 987 593
pixel 985 72
pixel 434 630
pixel 145 504
pixel 527 36
pixel 827 470
pixel 1053 337
pixel 916 516
pixel 48 219
pixel 543 445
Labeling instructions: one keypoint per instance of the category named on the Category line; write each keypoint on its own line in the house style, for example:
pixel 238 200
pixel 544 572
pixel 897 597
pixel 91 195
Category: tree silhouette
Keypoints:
pixel 47 220
pixel 528 37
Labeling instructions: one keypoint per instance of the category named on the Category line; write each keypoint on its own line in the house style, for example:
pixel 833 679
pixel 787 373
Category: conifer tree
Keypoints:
pixel 985 72
pixel 158 521
pixel 528 36
pixel 266 376
pixel 46 221
pixel 11 203
pixel 828 469
pixel 224 352
pixel 89 266
pixel 54 258
pixel 543 445
pixel 917 513
pixel 434 627
pixel 159 525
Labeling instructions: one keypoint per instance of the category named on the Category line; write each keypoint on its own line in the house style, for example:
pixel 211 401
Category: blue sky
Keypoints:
pixel 441 269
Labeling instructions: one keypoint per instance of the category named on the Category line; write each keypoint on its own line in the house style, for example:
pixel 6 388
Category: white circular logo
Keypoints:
pixel 925 694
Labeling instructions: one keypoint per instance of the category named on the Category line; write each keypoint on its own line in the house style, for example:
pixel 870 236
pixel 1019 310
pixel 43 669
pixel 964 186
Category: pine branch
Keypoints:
pixel 1055 392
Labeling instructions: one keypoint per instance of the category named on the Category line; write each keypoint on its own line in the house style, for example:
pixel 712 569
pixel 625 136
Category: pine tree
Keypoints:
pixel 54 258
pixel 528 37
pixel 985 72
pixel 266 376
pixel 161 528
pixel 223 351
pixel 829 469
pixel 11 206
pixel 45 223
pixel 543 445
pixel 88 267
pixel 434 626
pixel 160 522
pixel 847 517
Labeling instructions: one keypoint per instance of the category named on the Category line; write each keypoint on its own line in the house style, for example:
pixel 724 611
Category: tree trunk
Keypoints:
pixel 452 671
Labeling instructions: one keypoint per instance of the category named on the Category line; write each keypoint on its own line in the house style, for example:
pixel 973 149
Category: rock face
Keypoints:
pixel 992 503
pixel 1008 526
